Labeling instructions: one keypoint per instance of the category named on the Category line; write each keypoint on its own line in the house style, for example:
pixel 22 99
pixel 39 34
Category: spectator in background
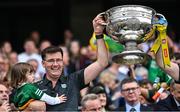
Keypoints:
pixel 6 48
pixel 13 58
pixel 35 36
pixel 4 67
pixel 44 44
pixel 84 50
pixel 92 54
pixel 31 53
pixel 91 103
pixel 99 90
pixel 68 37
pixel 2 71
pixel 141 73
pixel 172 102
pixel 111 85
pixel 147 92
pixel 131 92
pixel 85 56
pixel 113 69
pixel 125 72
pixel 34 63
pixel 66 59
pixel 4 97
pixel 77 60
pixel 74 53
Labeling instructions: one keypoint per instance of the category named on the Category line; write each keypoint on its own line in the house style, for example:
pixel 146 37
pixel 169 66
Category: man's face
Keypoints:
pixel 176 92
pixel 29 47
pixel 4 93
pixel 93 106
pixel 53 64
pixel 131 92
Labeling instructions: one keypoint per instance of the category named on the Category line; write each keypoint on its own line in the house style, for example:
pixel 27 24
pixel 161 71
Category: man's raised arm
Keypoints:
pixel 172 70
pixel 93 70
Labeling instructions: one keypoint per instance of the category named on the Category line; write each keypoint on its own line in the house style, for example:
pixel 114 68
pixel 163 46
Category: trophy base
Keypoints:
pixel 131 57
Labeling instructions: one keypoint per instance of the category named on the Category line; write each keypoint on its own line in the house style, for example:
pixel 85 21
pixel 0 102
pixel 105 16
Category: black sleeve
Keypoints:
pixel 80 79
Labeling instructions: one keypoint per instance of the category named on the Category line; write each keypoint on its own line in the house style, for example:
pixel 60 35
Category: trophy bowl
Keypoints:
pixel 130 25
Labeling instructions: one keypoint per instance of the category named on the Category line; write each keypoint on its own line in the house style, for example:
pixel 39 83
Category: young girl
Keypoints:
pixel 24 92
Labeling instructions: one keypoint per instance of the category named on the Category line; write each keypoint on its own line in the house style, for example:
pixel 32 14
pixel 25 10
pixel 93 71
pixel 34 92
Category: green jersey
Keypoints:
pixel 25 94
pixel 28 92
pixel 155 71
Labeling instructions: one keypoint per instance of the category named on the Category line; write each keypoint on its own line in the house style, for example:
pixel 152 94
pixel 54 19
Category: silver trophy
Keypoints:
pixel 130 25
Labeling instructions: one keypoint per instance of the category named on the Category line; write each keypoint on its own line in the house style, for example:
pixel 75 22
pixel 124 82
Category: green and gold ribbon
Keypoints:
pixel 161 41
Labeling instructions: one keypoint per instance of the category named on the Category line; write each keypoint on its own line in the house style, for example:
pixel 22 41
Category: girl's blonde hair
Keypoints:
pixel 18 73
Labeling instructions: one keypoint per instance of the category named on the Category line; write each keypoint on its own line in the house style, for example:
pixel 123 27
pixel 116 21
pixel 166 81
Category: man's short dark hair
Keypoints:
pixel 127 80
pixel 50 50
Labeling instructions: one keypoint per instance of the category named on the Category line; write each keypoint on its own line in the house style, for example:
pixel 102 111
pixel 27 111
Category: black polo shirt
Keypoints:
pixel 69 85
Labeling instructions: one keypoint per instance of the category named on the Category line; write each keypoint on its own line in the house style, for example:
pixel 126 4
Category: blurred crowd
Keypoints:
pixel 106 92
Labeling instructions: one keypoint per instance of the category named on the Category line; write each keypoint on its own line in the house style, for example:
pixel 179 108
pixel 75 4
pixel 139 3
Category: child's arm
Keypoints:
pixel 53 100
pixel 40 95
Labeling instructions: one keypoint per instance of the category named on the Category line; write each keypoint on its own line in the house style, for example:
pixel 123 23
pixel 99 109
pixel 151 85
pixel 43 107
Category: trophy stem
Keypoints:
pixel 132 55
pixel 131 45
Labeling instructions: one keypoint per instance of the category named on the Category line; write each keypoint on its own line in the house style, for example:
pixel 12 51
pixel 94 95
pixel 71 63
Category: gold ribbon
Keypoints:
pixel 149 35
pixel 161 41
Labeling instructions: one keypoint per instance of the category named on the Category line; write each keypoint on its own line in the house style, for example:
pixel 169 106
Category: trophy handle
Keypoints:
pixel 160 19
pixel 158 14
pixel 104 16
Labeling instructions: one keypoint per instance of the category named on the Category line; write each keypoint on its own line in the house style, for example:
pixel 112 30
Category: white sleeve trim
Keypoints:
pixel 50 100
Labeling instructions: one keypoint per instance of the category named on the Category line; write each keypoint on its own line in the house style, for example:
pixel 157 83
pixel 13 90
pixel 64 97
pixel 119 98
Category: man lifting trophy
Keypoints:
pixel 131 25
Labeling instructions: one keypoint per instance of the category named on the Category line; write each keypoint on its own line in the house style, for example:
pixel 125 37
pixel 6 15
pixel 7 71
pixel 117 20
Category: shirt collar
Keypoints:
pixel 61 79
pixel 137 107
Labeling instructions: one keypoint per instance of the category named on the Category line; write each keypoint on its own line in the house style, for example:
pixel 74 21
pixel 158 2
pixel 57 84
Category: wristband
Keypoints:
pixel 99 36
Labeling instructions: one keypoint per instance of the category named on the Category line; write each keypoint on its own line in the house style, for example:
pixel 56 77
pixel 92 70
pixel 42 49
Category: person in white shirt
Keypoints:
pixel 31 53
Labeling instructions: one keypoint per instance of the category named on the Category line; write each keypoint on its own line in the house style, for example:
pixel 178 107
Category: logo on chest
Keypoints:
pixel 64 86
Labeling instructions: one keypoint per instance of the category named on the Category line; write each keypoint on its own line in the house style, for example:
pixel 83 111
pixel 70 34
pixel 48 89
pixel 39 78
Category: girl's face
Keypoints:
pixel 30 77
pixel 102 97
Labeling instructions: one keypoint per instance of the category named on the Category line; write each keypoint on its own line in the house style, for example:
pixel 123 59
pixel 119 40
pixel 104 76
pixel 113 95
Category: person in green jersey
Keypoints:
pixel 24 91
